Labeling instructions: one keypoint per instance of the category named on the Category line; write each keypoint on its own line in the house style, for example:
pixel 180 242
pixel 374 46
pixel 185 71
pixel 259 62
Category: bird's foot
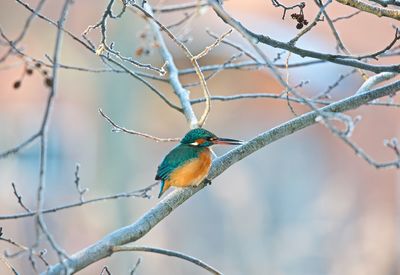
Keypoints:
pixel 207 181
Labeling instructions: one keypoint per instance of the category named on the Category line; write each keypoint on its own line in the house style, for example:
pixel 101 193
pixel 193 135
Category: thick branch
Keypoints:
pixel 259 38
pixel 133 232
pixel 378 11
pixel 173 76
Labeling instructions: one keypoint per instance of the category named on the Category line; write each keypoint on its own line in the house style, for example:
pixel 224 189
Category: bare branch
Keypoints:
pixel 19 198
pixel 20 147
pixel 132 272
pixel 214 73
pixel 340 18
pixel 119 128
pixel 141 193
pixel 374 80
pixel 259 38
pixel 102 24
pixel 378 11
pixel 39 222
pixel 385 3
pixel 24 249
pixel 234 45
pixel 180 7
pixel 170 253
pixel 213 45
pixel 8 265
pixel 79 188
pixel 325 94
pixel 139 228
pixel 175 83
pixel 93 50
pixel 241 96
pixel 182 94
pixel 105 271
pixel 24 29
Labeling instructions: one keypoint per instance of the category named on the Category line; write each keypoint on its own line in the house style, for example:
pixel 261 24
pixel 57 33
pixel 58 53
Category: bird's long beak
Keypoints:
pixel 228 141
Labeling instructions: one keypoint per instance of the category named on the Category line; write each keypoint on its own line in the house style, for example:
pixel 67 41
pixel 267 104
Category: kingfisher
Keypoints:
pixel 188 163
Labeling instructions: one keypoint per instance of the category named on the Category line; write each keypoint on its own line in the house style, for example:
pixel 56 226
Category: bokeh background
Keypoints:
pixel 305 204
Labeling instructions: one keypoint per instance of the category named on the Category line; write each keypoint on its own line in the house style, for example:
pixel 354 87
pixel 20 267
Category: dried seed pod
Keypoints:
pixel 17 84
pixel 48 81
pixel 29 71
pixel 139 51
pixel 300 18
pixel 299 26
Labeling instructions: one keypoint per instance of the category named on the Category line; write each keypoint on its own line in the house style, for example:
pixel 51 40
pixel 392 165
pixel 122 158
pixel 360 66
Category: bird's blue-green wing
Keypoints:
pixel 174 159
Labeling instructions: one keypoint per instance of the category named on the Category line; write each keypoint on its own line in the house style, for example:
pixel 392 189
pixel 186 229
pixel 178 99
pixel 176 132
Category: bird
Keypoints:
pixel 189 162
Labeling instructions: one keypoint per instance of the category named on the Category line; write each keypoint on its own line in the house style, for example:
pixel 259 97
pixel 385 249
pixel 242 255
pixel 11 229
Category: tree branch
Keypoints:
pixel 119 128
pixel 141 193
pixel 93 50
pixel 378 11
pixel 173 75
pixel 259 38
pixel 133 232
pixel 167 253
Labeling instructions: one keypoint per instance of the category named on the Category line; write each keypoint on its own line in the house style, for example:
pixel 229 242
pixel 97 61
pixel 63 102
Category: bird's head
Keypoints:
pixel 200 137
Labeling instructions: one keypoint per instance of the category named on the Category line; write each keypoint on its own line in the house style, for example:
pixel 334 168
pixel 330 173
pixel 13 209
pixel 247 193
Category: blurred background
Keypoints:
pixel 305 204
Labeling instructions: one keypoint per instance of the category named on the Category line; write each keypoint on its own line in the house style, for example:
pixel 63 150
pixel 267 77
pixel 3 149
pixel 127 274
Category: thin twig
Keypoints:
pixel 24 249
pixel 213 45
pixel 325 94
pixel 8 265
pixel 214 73
pixel 362 154
pixel 79 188
pixel 132 272
pixel 21 146
pixel 19 198
pixel 141 193
pixel 340 18
pixel 119 128
pixel 170 253
pixel 105 271
pixel 233 45
pixel 180 7
pixel 27 24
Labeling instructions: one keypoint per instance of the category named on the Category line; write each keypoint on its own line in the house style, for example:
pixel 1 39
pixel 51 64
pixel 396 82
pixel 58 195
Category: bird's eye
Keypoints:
pixel 211 138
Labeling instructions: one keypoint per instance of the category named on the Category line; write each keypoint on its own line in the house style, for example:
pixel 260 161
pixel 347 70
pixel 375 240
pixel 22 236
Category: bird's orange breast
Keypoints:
pixel 193 172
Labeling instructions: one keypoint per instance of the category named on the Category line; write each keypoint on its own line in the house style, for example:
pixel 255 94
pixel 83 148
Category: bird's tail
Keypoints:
pixel 164 187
